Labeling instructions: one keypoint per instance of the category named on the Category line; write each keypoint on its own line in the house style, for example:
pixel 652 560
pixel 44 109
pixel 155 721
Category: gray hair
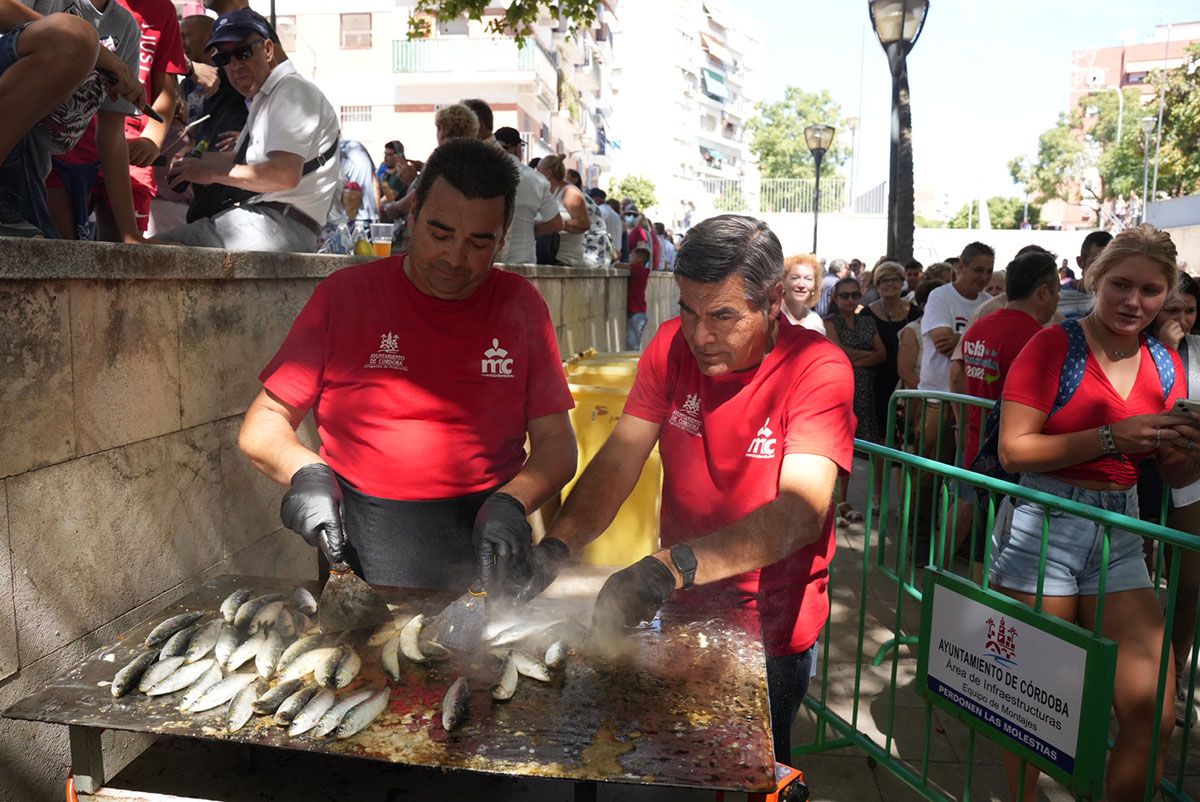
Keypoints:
pixel 837 266
pixel 717 248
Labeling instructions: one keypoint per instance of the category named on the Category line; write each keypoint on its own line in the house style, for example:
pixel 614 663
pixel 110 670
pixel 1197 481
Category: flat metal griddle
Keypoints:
pixel 684 705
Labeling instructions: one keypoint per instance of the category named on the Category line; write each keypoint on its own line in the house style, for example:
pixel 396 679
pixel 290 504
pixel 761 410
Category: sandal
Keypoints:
pixel 840 522
pixel 847 512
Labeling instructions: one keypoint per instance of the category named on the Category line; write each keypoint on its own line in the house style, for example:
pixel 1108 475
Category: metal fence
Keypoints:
pixel 909 546
pixel 792 195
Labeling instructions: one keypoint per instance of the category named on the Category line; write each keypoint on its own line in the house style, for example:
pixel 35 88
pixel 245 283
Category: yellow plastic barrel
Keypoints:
pixel 600 389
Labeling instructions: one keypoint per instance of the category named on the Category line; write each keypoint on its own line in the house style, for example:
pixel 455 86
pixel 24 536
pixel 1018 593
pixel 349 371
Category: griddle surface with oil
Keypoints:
pixel 684 704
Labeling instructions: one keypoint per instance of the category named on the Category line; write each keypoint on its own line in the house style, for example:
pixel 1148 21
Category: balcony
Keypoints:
pixel 468 55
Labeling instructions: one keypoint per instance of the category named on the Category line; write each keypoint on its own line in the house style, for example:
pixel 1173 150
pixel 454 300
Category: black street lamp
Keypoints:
pixel 898 23
pixel 818 138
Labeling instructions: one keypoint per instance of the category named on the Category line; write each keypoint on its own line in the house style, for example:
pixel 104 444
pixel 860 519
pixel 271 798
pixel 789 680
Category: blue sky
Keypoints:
pixel 986 77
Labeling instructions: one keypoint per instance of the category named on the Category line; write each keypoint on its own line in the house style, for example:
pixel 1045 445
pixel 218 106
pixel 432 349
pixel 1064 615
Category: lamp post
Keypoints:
pixel 898 23
pixel 1147 124
pixel 818 138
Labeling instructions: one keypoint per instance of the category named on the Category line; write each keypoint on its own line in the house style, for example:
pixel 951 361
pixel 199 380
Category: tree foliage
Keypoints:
pixel 517 21
pixel 1003 212
pixel 777 135
pixel 1079 160
pixel 638 187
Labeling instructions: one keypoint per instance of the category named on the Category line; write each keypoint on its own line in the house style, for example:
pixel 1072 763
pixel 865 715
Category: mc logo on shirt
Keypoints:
pixel 763 444
pixel 496 362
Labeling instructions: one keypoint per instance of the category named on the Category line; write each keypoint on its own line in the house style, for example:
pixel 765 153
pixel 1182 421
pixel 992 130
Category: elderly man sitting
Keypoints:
pixel 281 178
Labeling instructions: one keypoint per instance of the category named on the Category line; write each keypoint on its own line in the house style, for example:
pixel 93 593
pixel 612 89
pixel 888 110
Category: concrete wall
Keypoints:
pixel 124 373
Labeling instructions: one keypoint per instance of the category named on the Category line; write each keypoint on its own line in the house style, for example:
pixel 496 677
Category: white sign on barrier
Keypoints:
pixel 1022 681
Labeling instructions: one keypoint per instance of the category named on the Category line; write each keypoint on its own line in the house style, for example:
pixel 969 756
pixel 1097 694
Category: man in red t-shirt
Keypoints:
pixel 635 297
pixel 424 373
pixel 754 422
pixel 989 348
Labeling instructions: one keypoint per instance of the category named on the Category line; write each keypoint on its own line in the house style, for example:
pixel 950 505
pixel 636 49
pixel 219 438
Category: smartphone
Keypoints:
pixel 1184 405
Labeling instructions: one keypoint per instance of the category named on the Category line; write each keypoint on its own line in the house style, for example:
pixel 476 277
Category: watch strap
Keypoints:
pixel 685 563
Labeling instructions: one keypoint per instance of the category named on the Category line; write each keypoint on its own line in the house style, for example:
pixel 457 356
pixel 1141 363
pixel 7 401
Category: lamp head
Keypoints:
pixel 819 137
pixel 1147 123
pixel 898 20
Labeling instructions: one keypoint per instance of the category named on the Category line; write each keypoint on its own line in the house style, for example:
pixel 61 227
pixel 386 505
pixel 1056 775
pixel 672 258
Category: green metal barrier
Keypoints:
pixel 888 552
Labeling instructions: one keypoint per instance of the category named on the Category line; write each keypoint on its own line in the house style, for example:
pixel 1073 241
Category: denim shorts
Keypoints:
pixel 1075 545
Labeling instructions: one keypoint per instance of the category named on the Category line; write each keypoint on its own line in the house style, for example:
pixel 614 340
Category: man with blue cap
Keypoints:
pixel 281 177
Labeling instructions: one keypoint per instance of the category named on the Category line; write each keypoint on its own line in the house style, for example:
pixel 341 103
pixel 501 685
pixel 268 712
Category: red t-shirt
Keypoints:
pixel 635 294
pixel 722 443
pixel 417 398
pixel 989 348
pixel 1033 381
pixel 162 52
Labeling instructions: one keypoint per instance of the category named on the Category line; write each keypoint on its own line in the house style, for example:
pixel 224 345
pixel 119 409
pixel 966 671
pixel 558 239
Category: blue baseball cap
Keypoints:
pixel 237 26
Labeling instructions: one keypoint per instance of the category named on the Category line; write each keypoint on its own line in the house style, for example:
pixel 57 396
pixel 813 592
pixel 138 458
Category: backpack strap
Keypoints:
pixel 1163 364
pixel 1074 365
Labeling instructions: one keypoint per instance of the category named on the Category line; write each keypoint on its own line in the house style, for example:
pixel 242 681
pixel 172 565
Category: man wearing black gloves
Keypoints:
pixel 754 421
pixel 425 373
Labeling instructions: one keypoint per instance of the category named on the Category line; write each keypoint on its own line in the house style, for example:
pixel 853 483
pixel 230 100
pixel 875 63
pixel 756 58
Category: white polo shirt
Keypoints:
pixel 535 203
pixel 292 115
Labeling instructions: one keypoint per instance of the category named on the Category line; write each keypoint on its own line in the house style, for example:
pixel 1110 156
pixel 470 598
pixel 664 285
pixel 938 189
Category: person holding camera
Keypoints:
pixel 280 180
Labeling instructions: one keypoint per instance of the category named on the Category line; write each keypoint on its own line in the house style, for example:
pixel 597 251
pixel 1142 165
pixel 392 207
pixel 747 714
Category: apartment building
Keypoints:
pixel 554 88
pixel 688 84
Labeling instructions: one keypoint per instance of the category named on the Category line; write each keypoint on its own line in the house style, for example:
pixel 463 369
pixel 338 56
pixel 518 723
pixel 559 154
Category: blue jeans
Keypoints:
pixel 633 331
pixel 22 184
pixel 788 677
pixel 1074 550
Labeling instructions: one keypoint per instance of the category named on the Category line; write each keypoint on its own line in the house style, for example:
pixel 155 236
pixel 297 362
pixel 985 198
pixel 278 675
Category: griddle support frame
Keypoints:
pixel 87 758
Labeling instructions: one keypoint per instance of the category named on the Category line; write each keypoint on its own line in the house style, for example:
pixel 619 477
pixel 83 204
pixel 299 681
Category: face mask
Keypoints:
pixel 629 218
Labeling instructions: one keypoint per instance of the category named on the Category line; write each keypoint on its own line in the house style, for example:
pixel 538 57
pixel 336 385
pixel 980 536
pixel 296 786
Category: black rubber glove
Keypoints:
pixel 546 559
pixel 631 596
pixel 502 537
pixel 313 505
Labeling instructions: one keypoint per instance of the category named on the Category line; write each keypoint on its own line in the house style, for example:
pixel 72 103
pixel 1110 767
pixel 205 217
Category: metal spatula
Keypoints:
pixel 347 602
pixel 459 627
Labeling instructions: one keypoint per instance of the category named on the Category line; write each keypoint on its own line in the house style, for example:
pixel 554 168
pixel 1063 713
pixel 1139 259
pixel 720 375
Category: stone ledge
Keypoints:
pixel 44 260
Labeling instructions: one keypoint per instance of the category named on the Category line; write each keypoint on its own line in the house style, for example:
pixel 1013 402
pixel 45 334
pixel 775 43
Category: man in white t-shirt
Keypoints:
pixel 285 161
pixel 536 211
pixel 947 312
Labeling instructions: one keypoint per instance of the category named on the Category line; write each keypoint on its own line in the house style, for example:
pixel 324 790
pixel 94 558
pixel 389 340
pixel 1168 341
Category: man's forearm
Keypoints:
pixel 114 162
pixel 550 465
pixel 164 103
pixel 273 175
pixel 765 536
pixel 269 441
pixel 13 13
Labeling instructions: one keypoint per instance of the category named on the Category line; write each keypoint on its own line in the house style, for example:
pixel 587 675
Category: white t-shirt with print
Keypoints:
pixel 946 307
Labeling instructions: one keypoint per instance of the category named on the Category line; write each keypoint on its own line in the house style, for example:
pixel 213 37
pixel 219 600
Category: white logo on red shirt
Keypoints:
pixel 388 355
pixel 687 417
pixel 496 363
pixel 763 444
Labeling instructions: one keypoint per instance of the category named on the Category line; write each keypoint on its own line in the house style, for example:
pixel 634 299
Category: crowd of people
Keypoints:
pixel 201 132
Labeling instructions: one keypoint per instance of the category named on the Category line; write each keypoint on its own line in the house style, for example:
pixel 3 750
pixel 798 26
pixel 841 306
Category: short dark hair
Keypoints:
pixel 1028 272
pixel 728 244
pixel 535 161
pixel 921 293
pixel 846 280
pixel 1188 286
pixel 643 250
pixel 482 110
pixel 396 145
pixel 976 249
pixel 1097 239
pixel 474 169
pixel 913 264
pixel 598 195
pixel 1032 249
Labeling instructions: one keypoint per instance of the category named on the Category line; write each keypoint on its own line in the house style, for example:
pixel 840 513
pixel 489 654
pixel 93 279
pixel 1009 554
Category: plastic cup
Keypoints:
pixel 381 238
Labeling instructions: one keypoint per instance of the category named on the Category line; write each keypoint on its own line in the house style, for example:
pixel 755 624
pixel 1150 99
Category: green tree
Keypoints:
pixel 777 135
pixel 731 199
pixel 638 187
pixel 1003 212
pixel 517 20
pixel 1179 158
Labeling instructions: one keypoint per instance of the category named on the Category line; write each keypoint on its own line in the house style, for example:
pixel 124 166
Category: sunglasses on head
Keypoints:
pixel 849 296
pixel 222 59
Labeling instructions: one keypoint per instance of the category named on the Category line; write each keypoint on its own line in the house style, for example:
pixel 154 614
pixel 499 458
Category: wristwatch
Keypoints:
pixel 685 563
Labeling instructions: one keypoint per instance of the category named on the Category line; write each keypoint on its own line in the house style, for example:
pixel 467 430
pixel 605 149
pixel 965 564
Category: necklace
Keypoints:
pixel 1113 353
pixel 887 310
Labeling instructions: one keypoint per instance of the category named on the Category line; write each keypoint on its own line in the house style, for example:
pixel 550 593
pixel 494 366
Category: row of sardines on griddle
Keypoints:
pixel 263 655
